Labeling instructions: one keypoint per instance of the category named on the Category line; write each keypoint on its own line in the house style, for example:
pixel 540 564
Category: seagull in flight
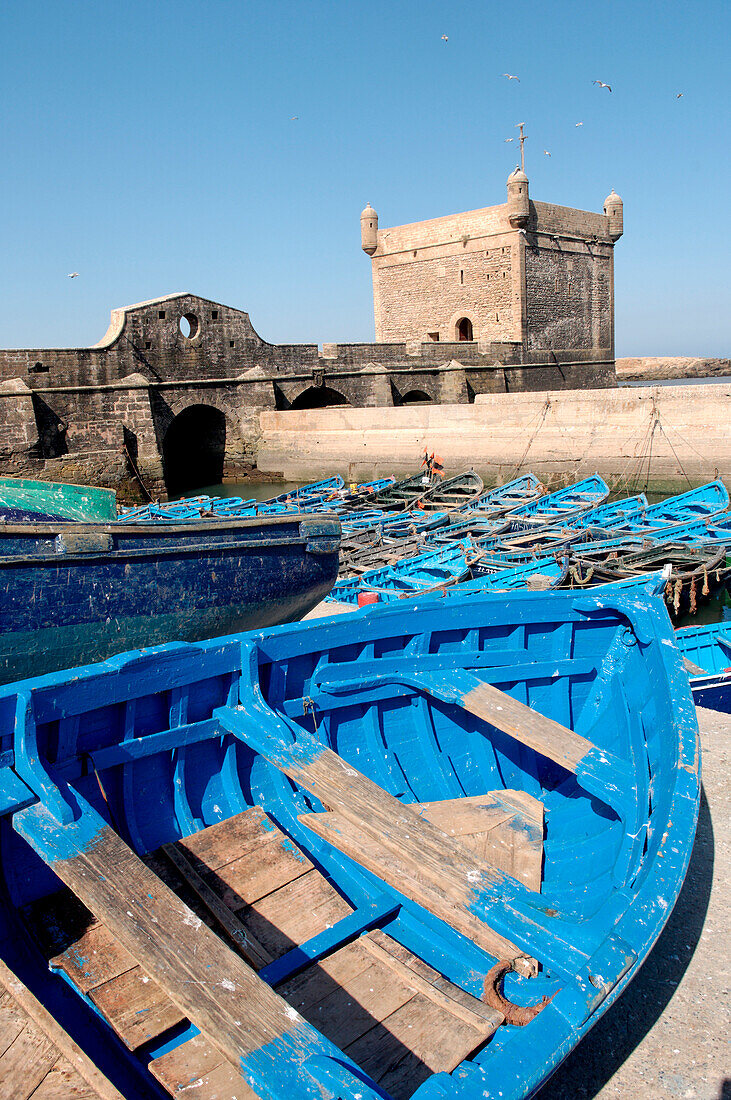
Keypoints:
pixel 679 95
pixel 445 38
pixel 546 152
pixel 511 77
pixel 294 118
pixel 73 275
pixel 508 139
pixel 602 84
pixel 579 124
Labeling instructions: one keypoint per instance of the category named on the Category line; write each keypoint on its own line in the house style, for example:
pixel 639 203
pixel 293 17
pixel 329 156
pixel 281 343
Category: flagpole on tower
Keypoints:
pixel 523 138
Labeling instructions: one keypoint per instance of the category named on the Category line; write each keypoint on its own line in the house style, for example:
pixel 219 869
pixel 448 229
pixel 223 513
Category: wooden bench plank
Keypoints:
pixel 496 829
pixel 209 984
pixel 435 871
pixel 62 1082
pixel 455 685
pixel 372 997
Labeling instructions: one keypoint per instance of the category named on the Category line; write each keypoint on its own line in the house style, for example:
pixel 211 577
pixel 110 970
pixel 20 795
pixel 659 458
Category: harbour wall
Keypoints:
pixel 659 438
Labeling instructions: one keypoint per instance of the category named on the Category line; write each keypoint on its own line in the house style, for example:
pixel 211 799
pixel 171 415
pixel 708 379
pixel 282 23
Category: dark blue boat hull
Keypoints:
pixel 84 595
pixel 713 692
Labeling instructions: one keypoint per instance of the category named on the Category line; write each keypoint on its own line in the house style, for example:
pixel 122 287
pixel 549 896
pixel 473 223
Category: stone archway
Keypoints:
pixel 318 397
pixel 193 449
pixel 415 397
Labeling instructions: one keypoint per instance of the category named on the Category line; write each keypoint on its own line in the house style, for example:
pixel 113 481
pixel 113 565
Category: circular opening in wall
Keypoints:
pixel 189 325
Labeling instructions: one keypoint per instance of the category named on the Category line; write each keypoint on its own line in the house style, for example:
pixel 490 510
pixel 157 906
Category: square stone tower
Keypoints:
pixel 529 274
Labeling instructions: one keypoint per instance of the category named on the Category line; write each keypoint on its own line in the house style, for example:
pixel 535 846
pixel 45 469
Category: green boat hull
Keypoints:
pixel 77 502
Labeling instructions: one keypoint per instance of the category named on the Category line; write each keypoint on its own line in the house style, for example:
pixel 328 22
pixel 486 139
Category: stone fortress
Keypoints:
pixel 533 275
pixel 510 298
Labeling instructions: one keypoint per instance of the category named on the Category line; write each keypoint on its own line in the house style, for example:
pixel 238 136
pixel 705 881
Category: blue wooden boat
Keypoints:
pixel 612 515
pixel 301 862
pixel 564 503
pixel 22 499
pixel 308 494
pixel 444 566
pixel 453 494
pixel 70 594
pixel 703 503
pixel 706 652
pixel 404 493
pixel 505 498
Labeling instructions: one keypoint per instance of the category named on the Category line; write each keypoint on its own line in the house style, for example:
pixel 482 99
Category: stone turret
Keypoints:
pixel 369 230
pixel 518 201
pixel 614 210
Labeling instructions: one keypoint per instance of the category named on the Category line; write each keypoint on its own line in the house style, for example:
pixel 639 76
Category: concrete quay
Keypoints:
pixel 660 437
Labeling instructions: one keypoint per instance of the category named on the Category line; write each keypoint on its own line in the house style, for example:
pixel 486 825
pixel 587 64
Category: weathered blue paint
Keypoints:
pixel 604 663
pixel 74 594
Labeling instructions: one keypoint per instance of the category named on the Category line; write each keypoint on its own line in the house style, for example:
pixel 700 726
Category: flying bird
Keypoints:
pixel 511 77
pixel 445 38
pixel 73 275
pixel 508 139
pixel 579 124
pixel 546 152
pixel 679 95
pixel 602 84
pixel 294 118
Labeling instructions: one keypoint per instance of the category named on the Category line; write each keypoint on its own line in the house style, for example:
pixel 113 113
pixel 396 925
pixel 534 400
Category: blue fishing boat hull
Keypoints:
pixel 373 717
pixel 71 595
pixel 708 647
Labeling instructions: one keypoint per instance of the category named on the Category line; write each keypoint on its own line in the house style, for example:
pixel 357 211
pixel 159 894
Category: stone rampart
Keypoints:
pixel 662 438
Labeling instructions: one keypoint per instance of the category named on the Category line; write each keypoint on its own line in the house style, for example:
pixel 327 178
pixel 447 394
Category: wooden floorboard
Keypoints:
pixel 25 1063
pixel 42 1061
pixel 392 1013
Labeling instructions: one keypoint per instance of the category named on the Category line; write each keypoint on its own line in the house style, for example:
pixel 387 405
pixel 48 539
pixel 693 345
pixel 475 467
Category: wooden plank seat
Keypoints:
pixel 437 872
pixel 264 884
pixel 396 1017
pixel 504 827
pixel 599 772
pixel 392 1014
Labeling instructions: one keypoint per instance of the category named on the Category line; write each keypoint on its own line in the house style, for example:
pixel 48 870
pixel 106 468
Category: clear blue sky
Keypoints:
pixel 150 147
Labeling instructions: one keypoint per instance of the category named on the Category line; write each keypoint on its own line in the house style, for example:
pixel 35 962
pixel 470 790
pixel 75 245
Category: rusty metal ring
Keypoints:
pixel 517 1015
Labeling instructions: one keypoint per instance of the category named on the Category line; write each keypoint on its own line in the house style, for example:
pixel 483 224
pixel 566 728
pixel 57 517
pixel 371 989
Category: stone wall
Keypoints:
pixel 101 414
pixel 567 296
pixel 560 435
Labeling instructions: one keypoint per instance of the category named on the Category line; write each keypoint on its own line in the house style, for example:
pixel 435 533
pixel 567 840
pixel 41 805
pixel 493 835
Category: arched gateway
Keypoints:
pixel 193 449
